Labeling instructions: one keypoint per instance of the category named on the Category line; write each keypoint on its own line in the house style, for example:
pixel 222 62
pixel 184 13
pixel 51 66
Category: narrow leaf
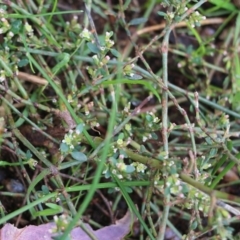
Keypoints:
pixel 130 169
pixel 137 21
pixel 160 13
pixel 81 157
pixel 79 128
pixel 115 53
pixel 93 48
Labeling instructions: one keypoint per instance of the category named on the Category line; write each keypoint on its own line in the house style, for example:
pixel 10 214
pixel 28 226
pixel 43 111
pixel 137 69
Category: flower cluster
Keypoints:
pixel 5 26
pixel 28 29
pixel 71 139
pixel 109 43
pixel 140 167
pixel 128 69
pixel 2 76
pixel 61 222
pixel 195 19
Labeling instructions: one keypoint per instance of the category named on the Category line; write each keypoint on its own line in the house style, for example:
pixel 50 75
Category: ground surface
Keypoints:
pixel 202 59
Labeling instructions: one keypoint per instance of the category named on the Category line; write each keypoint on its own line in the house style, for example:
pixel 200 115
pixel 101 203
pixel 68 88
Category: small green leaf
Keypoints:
pixel 209 140
pixel 236 100
pixel 149 118
pixel 194 225
pixel 212 153
pixel 64 147
pixel 111 190
pixel 128 189
pixel 28 154
pixel 121 136
pixel 16 26
pixel 167 191
pixel 107 174
pixel 45 189
pixel 122 152
pixel 142 149
pixel 81 157
pixel 23 62
pixel 80 128
pixel 73 36
pixel 137 21
pixel 54 206
pixel 3 163
pixel 163 14
pixel 130 169
pixel 113 160
pixel 134 76
pixel 93 47
pixel 115 53
pixel 229 145
pixel 154 136
pixel 47 212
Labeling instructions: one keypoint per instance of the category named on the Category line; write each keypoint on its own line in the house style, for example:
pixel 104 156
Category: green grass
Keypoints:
pixel 143 113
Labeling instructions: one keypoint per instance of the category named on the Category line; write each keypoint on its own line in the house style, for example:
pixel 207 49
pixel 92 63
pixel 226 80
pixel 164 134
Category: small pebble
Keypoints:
pixel 15 186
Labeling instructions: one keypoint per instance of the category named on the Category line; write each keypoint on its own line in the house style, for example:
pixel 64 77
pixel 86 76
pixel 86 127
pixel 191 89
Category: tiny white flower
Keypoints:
pixel 10 34
pixel 2 78
pixel 144 139
pixel 155 119
pixel 105 171
pixel 35 163
pixel 110 42
pixel 85 34
pixel 179 65
pixel 177 182
pixel 95 57
pixel 121 166
pixel 131 74
pixel 70 100
pixel 120 176
pixel 119 141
